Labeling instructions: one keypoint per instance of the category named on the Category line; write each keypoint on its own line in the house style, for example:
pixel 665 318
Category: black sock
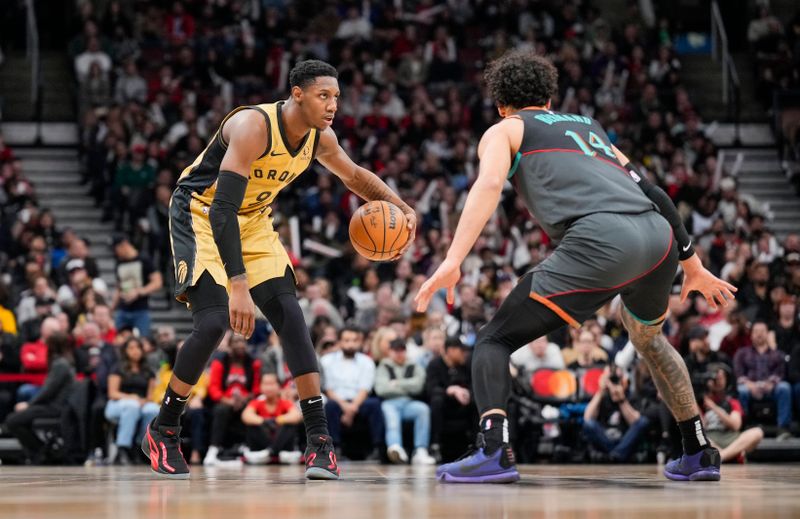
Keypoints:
pixel 171 409
pixel 693 435
pixel 314 416
pixel 495 432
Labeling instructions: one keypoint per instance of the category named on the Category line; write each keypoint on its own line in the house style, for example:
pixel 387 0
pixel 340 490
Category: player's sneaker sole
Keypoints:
pixel 320 474
pixel 700 475
pixel 502 477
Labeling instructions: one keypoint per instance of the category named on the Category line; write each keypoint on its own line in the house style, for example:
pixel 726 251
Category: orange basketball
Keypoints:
pixel 378 230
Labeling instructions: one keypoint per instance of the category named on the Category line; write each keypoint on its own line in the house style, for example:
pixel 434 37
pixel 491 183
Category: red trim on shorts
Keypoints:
pixel 651 269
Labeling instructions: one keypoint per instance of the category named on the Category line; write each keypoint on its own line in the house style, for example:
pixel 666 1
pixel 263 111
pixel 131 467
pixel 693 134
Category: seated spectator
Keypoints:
pixel 760 374
pixel 101 316
pixel 98 367
pixel 432 345
pixel 700 353
pixel 195 412
pixel 610 422
pixel 37 302
pixel 136 280
pixel 724 418
pixel 9 363
pixel 69 294
pixel 349 377
pixel 447 383
pixel 379 344
pixel 271 424
pixel 233 380
pixel 585 352
pixel 130 392
pixel 33 357
pixel 787 326
pixel 537 354
pixel 49 401
pixel 400 382
pixel 8 321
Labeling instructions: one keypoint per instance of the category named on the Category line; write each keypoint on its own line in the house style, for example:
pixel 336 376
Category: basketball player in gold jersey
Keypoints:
pixel 227 255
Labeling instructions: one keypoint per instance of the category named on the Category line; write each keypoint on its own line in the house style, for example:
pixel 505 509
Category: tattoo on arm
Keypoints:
pixel 370 187
pixel 666 366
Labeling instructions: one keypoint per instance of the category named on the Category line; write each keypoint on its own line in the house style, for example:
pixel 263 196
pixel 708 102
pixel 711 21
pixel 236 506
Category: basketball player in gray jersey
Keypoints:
pixel 617 234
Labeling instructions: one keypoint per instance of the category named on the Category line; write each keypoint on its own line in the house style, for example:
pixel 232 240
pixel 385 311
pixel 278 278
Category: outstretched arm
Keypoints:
pixel 360 181
pixel 696 277
pixel 494 152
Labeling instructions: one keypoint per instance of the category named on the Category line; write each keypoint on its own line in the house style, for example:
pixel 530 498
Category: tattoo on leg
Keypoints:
pixel 666 366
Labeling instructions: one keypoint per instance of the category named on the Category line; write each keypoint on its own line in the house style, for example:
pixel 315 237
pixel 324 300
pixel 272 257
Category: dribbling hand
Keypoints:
pixel 411 222
pixel 446 276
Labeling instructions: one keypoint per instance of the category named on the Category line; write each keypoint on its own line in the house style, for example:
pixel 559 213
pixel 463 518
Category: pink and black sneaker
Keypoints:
pixel 321 458
pixel 163 446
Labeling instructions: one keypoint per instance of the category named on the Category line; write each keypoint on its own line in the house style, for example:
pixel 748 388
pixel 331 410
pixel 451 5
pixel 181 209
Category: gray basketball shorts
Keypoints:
pixel 605 254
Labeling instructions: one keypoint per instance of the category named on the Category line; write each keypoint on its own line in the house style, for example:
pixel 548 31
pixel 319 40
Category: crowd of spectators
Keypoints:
pixel 154 84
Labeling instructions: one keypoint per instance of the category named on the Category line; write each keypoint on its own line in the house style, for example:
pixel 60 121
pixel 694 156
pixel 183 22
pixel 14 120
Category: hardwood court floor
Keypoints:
pixel 373 491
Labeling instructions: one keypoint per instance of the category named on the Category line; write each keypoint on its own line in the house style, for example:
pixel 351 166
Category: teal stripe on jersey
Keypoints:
pixel 514 166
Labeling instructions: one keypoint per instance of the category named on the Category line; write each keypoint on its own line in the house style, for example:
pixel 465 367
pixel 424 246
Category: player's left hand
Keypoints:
pixel 411 219
pixel 446 276
pixel 713 289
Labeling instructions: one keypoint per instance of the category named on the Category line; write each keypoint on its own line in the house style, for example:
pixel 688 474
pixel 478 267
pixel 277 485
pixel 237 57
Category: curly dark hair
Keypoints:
pixel 306 72
pixel 521 78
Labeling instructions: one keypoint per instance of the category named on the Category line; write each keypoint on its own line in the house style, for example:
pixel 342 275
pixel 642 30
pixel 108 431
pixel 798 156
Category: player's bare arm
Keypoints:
pixel 360 181
pixel 497 146
pixel 697 278
pixel 245 132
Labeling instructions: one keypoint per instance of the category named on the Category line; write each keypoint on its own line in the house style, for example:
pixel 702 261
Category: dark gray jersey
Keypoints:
pixel 566 169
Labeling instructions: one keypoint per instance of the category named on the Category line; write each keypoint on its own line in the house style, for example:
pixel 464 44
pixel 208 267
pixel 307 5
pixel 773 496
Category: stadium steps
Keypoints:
pixel 760 175
pixel 58 99
pixel 56 175
pixel 702 77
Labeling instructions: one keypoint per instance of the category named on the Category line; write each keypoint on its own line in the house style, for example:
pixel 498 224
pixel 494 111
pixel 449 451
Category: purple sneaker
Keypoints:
pixel 478 467
pixel 703 466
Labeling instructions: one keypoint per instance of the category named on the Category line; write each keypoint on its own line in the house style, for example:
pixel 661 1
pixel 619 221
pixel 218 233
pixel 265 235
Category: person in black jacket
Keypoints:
pixel 50 399
pixel 448 387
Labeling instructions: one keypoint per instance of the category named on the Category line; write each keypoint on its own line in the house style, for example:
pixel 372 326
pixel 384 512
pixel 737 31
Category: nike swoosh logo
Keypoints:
pixel 687 247
pixel 315 401
pixel 469 468
pixel 273 154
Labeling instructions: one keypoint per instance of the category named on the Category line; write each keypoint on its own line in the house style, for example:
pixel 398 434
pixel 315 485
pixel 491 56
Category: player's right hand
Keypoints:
pixel 446 276
pixel 242 310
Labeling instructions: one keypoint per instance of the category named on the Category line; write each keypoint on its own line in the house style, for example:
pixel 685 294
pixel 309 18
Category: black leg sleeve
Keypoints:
pixel 277 299
pixel 519 320
pixel 210 325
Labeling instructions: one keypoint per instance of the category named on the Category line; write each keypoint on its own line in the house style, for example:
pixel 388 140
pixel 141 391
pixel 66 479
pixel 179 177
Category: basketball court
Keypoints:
pixel 373 491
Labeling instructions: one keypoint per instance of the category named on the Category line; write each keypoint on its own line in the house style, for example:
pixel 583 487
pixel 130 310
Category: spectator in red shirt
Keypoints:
pixel 723 417
pixel 234 379
pixel 180 25
pixel 271 423
pixel 101 316
pixel 33 357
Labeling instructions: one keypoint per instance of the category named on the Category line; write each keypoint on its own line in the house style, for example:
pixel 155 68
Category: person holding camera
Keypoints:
pixel 611 423
pixel 723 417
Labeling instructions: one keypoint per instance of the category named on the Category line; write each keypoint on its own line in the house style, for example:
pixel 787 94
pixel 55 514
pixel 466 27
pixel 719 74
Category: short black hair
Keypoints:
pixel 521 78
pixel 306 72
pixel 351 328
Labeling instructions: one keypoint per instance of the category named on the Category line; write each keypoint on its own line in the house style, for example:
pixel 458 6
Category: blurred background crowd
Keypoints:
pixel 155 78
